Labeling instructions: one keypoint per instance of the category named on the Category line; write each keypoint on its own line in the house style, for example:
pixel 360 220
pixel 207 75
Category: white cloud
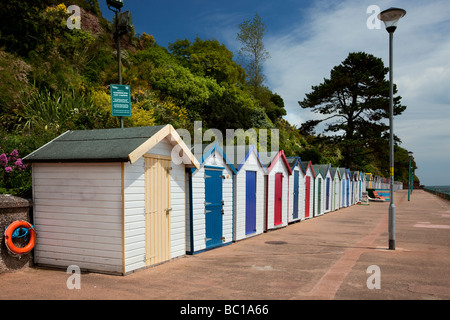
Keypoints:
pixel 306 55
pixel 322 36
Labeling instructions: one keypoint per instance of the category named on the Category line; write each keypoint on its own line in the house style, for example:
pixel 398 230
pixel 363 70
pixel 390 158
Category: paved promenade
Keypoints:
pixel 322 258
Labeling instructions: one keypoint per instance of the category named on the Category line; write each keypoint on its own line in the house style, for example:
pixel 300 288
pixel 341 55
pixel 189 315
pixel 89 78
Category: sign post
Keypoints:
pixel 120 101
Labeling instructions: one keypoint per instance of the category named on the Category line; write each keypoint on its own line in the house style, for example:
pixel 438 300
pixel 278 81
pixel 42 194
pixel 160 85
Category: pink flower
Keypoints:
pixel 14 154
pixel 19 164
pixel 3 159
pixel 8 169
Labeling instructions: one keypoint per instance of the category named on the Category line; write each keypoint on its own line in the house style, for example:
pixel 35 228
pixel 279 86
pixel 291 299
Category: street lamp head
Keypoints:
pixel 390 18
pixel 410 153
pixel 116 4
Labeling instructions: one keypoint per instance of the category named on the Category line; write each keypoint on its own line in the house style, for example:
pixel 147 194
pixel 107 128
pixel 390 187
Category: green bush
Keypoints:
pixel 62 111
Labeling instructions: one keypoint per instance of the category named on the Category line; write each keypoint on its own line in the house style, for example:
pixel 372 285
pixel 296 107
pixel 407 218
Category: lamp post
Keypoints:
pixel 390 18
pixel 409 176
pixel 117 5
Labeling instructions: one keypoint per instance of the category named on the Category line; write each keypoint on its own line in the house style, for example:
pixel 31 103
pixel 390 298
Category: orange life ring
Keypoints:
pixel 8 237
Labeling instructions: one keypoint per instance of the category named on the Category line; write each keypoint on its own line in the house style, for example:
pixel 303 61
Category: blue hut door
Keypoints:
pixel 296 178
pixel 348 191
pixel 213 208
pixel 250 202
pixel 327 204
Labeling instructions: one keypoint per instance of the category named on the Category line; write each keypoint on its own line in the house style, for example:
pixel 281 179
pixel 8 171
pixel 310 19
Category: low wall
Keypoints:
pixel 438 193
pixel 11 209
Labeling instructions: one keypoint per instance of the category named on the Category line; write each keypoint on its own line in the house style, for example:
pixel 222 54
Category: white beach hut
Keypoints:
pixel 320 191
pixel 310 177
pixel 110 200
pixel 209 223
pixel 363 183
pixel 344 187
pixel 353 177
pixel 318 186
pixel 249 192
pixel 328 188
pixel 369 181
pixel 358 186
pixel 350 187
pixel 336 202
pixel 277 189
pixel 296 190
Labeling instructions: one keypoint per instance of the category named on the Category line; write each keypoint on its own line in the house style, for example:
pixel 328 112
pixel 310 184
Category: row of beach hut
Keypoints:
pixel 119 200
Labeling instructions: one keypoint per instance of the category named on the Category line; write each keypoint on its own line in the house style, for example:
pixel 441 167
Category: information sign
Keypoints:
pixel 120 100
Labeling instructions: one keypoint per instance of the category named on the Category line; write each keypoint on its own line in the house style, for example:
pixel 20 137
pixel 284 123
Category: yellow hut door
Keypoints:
pixel 157 209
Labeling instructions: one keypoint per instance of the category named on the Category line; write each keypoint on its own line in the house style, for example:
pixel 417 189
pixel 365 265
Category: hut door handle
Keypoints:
pixel 168 210
pixel 207 239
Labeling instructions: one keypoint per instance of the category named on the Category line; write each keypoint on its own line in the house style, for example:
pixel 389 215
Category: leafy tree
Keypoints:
pixel 272 103
pixel 401 164
pixel 290 139
pixel 167 75
pixel 252 51
pixel 208 58
pixel 146 41
pixel 235 109
pixel 356 99
pixel 181 49
pixel 189 77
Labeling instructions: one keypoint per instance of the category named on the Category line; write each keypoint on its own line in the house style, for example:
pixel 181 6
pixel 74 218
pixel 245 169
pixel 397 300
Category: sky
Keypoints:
pixel 306 39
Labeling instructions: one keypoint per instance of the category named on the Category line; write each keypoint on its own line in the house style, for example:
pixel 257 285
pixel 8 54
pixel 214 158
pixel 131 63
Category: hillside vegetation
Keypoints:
pixel 54 79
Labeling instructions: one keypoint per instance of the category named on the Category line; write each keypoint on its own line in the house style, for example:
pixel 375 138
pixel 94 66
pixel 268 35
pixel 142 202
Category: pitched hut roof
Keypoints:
pixel 107 145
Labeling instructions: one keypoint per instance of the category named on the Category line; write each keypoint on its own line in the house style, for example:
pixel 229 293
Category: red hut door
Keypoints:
pixel 278 196
pixel 307 194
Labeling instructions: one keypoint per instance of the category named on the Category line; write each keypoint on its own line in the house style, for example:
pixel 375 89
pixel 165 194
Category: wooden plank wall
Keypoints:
pixel 78 215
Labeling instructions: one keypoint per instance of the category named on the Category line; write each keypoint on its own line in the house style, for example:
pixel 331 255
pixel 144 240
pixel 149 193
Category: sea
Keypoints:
pixel 440 189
